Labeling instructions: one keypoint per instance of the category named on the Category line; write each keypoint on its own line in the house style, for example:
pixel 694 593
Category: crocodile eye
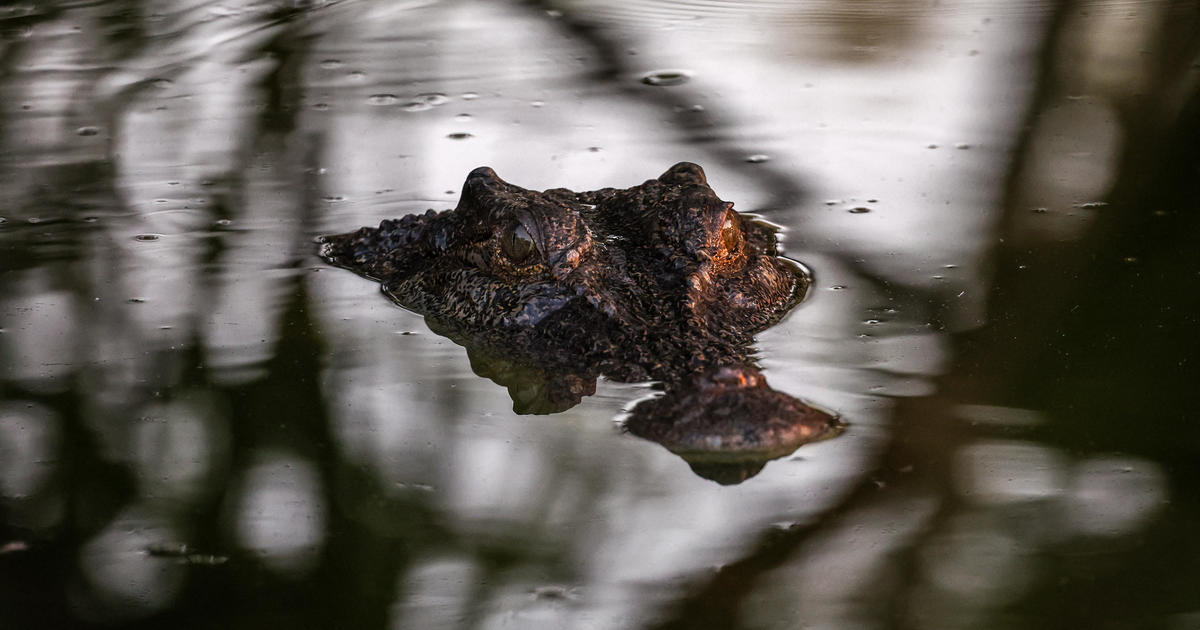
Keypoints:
pixel 517 244
pixel 730 235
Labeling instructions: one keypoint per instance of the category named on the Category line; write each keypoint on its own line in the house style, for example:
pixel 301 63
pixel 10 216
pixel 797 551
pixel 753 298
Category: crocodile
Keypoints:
pixel 662 282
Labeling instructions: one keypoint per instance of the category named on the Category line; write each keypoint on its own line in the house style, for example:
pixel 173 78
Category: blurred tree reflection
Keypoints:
pixel 169 368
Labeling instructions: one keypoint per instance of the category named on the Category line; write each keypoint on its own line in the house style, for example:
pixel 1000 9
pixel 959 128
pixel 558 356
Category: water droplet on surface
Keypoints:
pixel 320 106
pixel 416 106
pixel 666 78
pixel 147 237
pixel 136 300
pixel 469 96
pixel 462 118
pixel 459 135
pixel 330 64
pixel 161 200
pixel 87 131
pixel 859 210
pixel 832 202
pixel 382 99
pixel 1039 210
pixel 962 146
pixel 161 84
pixel 872 322
pixel 537 103
pixel 33 220
pixel 931 146
pixel 837 287
pixel 1130 259
pixel 334 198
pixel 3 220
pixel 594 149
pixel 223 222
pixel 1091 205
pixel 357 75
pixel 84 219
pixel 757 158
pixel 696 109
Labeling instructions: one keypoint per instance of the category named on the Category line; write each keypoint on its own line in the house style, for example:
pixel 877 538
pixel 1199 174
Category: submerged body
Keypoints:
pixel 549 290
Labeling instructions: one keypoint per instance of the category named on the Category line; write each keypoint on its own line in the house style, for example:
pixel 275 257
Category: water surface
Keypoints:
pixel 202 425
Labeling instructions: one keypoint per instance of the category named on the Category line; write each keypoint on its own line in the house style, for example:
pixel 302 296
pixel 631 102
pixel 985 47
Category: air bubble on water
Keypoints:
pixel 1130 259
pixel 469 96
pixel 537 103
pixel 147 237
pixel 382 99
pixel 757 158
pixel 33 220
pixel 357 75
pixel 334 198
pixel 962 146
pixel 872 322
pixel 416 106
pixel 459 135
pixel 330 64
pixel 223 222
pixel 931 146
pixel 161 201
pixel 859 210
pixel 320 106
pixel 136 300
pixel 832 202
pixel 433 98
pixel 1039 210
pixel 837 287
pixel 462 118
pixel 1091 205
pixel 87 131
pixel 88 219
pixel 594 149
pixel 666 78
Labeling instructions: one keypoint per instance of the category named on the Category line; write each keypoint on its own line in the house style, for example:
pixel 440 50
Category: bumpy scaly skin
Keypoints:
pixel 662 281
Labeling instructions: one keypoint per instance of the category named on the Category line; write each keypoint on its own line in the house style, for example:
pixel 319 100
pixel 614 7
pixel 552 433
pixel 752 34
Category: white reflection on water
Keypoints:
pixel 999 472
pixel 179 447
pixel 30 443
pixel 1114 495
pixel 38 347
pixel 279 512
pixel 434 595
pixel 123 580
pixel 846 102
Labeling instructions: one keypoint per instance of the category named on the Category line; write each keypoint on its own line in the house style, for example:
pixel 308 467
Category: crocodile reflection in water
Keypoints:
pixel 659 282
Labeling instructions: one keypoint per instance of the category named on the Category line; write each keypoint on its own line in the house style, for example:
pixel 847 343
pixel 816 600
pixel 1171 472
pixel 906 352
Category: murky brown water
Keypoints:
pixel 202 425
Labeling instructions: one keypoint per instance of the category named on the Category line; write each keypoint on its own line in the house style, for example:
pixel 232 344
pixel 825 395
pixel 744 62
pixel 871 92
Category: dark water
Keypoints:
pixel 204 426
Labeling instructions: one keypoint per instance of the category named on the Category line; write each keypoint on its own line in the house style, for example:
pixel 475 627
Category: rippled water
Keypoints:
pixel 203 425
